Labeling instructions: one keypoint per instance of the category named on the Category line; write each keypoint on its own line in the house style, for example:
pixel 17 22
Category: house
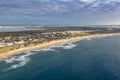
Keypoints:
pixel 1 39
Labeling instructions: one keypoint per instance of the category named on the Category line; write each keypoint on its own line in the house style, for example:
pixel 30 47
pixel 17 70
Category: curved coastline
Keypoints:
pixel 54 42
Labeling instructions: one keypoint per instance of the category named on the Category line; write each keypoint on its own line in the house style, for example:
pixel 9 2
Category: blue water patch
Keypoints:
pixel 89 59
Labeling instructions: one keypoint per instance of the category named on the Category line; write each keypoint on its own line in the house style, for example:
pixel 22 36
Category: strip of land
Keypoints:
pixel 45 44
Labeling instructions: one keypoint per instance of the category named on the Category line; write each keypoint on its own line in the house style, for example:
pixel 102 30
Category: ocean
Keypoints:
pixel 89 59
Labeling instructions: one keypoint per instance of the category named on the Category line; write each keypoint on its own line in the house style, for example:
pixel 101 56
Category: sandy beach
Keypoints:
pixel 45 44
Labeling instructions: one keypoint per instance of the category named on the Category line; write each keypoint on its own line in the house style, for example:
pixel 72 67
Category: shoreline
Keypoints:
pixel 54 42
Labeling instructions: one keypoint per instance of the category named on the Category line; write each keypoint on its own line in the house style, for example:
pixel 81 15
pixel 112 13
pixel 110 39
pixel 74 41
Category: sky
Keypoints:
pixel 59 12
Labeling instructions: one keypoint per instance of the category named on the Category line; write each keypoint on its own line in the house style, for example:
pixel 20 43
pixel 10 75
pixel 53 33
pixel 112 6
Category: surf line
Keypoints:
pixel 46 44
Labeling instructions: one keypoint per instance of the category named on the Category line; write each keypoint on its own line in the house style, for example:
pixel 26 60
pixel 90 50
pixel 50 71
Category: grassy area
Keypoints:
pixel 6 49
pixel 10 48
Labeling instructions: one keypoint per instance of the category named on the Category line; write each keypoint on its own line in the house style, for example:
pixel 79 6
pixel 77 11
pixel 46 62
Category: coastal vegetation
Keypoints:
pixel 15 40
pixel 9 48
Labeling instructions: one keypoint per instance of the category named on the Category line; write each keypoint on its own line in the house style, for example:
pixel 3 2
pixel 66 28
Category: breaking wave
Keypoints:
pixel 21 59
pixel 17 61
pixel 88 39
pixel 69 45
pixel 45 49
pixel 96 37
pixel 20 64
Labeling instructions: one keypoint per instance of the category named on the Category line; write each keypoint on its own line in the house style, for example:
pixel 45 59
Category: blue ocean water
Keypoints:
pixel 89 59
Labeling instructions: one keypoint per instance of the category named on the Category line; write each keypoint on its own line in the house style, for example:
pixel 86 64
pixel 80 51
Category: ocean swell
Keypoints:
pixel 21 59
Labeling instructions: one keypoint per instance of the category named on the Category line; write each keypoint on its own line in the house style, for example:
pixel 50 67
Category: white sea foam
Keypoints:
pixel 68 45
pixel 89 39
pixel 21 63
pixel 44 49
pixel 47 49
pixel 17 61
pixel 94 37
pixel 99 37
pixel 20 60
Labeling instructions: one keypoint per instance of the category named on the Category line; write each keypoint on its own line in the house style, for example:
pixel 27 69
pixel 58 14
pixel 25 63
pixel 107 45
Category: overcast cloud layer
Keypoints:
pixel 59 12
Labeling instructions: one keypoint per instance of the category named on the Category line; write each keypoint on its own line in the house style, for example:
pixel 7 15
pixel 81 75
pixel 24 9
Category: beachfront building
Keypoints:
pixel 30 40
pixel 2 44
pixel 5 44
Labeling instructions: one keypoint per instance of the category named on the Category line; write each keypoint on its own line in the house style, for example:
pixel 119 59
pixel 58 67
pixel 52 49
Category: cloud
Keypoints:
pixel 66 0
pixel 42 0
pixel 58 8
pixel 95 5
pixel 88 1
pixel 109 1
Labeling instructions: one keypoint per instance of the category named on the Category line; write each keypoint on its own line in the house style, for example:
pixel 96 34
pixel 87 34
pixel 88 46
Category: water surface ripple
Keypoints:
pixel 89 59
